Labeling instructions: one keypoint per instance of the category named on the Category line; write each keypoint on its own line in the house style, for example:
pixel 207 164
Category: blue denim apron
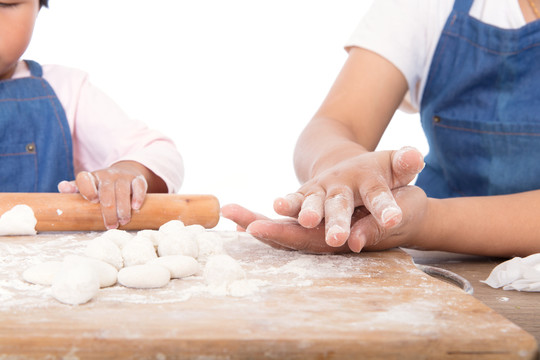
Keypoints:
pixel 481 109
pixel 35 140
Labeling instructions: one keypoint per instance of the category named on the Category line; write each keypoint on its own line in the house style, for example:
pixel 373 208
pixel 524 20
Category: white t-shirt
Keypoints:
pixel 406 33
pixel 102 133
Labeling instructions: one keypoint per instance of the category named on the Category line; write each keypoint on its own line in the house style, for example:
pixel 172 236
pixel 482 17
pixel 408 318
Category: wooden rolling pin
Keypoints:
pixel 70 212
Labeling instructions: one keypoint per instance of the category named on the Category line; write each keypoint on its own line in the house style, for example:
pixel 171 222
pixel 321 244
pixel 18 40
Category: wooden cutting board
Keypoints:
pixel 372 305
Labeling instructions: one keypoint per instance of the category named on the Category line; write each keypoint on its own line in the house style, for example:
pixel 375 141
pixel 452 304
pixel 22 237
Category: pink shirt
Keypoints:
pixel 102 133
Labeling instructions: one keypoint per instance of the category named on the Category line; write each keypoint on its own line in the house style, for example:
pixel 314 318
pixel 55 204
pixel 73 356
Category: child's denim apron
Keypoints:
pixel 35 140
pixel 481 109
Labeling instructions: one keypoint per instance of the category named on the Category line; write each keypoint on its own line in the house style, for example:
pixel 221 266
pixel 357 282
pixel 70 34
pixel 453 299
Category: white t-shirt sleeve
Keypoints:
pixel 103 134
pixel 405 32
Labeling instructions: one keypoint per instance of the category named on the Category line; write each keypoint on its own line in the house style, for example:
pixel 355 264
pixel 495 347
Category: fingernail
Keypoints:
pixel 391 216
pixel 336 236
pixel 357 242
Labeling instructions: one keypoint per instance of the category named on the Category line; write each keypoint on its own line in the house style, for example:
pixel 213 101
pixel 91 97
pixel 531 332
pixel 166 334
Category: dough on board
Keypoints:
pixel 152 235
pixel 42 274
pixel 138 251
pixel 119 237
pixel 75 285
pixel 104 249
pixel 20 220
pixel 181 243
pixel 106 273
pixel 179 265
pixel 145 276
pixel 222 270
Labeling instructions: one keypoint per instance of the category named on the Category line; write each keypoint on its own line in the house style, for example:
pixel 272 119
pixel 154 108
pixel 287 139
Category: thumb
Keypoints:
pixel 407 162
pixel 67 187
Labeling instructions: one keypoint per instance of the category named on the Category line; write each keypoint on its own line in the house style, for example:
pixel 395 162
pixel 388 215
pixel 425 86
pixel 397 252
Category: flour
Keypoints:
pixel 20 220
pixel 265 269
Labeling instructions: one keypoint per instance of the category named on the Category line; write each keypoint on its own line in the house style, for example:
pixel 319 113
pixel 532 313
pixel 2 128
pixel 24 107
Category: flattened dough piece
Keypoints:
pixel 144 276
pixel 42 274
pixel 179 265
pixel 107 274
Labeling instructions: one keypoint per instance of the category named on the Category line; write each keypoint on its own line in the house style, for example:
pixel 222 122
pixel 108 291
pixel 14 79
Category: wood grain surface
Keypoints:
pixel 372 305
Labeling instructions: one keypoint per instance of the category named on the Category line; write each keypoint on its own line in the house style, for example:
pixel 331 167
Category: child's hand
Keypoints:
pixel 366 232
pixel 367 180
pixel 118 189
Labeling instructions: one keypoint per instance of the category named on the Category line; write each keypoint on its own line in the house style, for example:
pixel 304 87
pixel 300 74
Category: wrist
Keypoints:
pixel 431 226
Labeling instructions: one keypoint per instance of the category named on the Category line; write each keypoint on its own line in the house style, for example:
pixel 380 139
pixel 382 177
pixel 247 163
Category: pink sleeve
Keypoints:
pixel 103 134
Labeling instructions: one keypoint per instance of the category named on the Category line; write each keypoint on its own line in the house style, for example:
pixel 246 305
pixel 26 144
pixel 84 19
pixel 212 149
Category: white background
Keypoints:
pixel 233 83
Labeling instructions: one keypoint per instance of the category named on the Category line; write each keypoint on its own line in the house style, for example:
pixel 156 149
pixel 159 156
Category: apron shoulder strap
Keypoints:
pixel 463 5
pixel 35 68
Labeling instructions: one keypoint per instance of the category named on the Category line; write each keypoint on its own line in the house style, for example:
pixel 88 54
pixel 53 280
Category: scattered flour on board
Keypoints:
pixel 265 269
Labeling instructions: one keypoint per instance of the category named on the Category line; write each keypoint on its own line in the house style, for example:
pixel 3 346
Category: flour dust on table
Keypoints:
pixel 228 264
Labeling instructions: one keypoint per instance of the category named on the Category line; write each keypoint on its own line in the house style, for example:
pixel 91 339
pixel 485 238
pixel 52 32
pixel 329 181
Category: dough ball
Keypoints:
pixel 210 243
pixel 144 276
pixel 138 251
pixel 104 249
pixel 75 285
pixel 221 270
pixel 172 227
pixel 195 228
pixel 42 274
pixel 119 237
pixel 20 220
pixel 152 235
pixel 107 274
pixel 183 243
pixel 179 265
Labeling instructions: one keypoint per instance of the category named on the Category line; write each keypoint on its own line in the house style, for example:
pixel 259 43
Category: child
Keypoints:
pixel 55 124
pixel 472 70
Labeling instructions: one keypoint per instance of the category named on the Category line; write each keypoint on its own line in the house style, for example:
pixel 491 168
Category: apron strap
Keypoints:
pixel 463 5
pixel 35 68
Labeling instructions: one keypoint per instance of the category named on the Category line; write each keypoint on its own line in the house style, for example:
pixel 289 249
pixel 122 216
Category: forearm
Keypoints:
pixel 353 116
pixel 493 225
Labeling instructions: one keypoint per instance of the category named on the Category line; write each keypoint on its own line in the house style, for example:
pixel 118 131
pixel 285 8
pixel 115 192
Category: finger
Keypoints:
pixel 107 201
pixel 378 199
pixel 67 187
pixel 289 205
pixel 87 184
pixel 252 229
pixel 407 162
pixel 122 194
pixel 294 236
pixel 365 232
pixel 139 187
pixel 312 210
pixel 338 210
pixel 240 215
